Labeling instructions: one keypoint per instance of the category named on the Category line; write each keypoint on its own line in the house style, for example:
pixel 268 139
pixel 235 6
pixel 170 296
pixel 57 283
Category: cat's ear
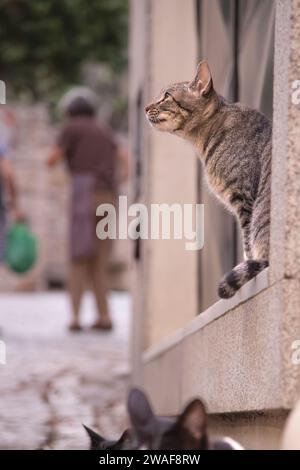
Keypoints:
pixel 141 414
pixel 124 441
pixel 202 83
pixel 192 424
pixel 95 438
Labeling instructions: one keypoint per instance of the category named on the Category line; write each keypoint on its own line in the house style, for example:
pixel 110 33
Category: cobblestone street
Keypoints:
pixel 53 380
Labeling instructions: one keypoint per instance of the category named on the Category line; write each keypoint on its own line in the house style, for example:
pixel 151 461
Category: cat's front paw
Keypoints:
pixel 225 291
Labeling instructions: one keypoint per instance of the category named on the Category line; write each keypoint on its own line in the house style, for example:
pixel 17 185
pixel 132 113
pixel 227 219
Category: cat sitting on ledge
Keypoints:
pixel 234 144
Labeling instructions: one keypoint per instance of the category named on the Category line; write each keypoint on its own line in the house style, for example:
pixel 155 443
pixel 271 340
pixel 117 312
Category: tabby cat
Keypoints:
pixel 235 146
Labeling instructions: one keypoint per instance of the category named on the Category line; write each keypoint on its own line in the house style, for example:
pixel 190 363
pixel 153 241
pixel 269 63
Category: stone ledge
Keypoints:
pixel 237 359
pixel 211 314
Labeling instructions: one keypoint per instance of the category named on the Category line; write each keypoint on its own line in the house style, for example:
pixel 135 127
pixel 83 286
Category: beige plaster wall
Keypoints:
pixel 254 431
pixel 171 270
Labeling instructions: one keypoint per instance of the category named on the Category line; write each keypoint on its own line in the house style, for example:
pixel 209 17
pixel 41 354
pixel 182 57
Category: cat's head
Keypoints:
pixel 98 442
pixel 186 432
pixel 183 106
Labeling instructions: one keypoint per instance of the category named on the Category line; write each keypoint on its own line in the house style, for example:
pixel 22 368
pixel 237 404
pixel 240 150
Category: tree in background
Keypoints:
pixel 44 44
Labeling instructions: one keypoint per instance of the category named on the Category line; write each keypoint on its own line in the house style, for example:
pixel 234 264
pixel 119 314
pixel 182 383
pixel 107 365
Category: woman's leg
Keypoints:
pixel 77 283
pixel 99 265
pixel 99 277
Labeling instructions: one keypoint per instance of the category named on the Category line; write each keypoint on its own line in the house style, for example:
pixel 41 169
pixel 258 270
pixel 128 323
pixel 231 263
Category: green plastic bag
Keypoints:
pixel 20 248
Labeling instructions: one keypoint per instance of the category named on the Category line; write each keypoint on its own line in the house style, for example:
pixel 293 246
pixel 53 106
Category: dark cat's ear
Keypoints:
pixel 96 439
pixel 192 424
pixel 202 83
pixel 124 441
pixel 141 414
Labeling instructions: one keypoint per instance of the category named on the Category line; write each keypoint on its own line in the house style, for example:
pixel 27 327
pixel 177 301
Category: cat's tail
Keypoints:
pixel 239 275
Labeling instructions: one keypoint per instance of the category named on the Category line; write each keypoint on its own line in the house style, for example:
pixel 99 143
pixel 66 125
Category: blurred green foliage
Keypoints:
pixel 43 43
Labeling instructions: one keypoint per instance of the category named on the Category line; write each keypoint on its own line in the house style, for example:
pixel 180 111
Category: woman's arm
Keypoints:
pixel 123 158
pixel 7 173
pixel 55 155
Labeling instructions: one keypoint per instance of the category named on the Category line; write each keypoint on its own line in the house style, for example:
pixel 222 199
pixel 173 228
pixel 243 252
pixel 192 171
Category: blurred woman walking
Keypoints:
pixel 92 156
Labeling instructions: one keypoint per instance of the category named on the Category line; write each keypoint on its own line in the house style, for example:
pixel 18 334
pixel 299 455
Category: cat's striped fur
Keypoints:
pixel 234 143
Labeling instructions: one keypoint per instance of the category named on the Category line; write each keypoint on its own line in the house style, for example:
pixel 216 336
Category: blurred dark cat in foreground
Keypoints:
pixel 234 143
pixel 149 432
pixel 98 442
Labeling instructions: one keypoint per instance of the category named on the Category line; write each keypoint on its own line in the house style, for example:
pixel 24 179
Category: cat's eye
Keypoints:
pixel 167 95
